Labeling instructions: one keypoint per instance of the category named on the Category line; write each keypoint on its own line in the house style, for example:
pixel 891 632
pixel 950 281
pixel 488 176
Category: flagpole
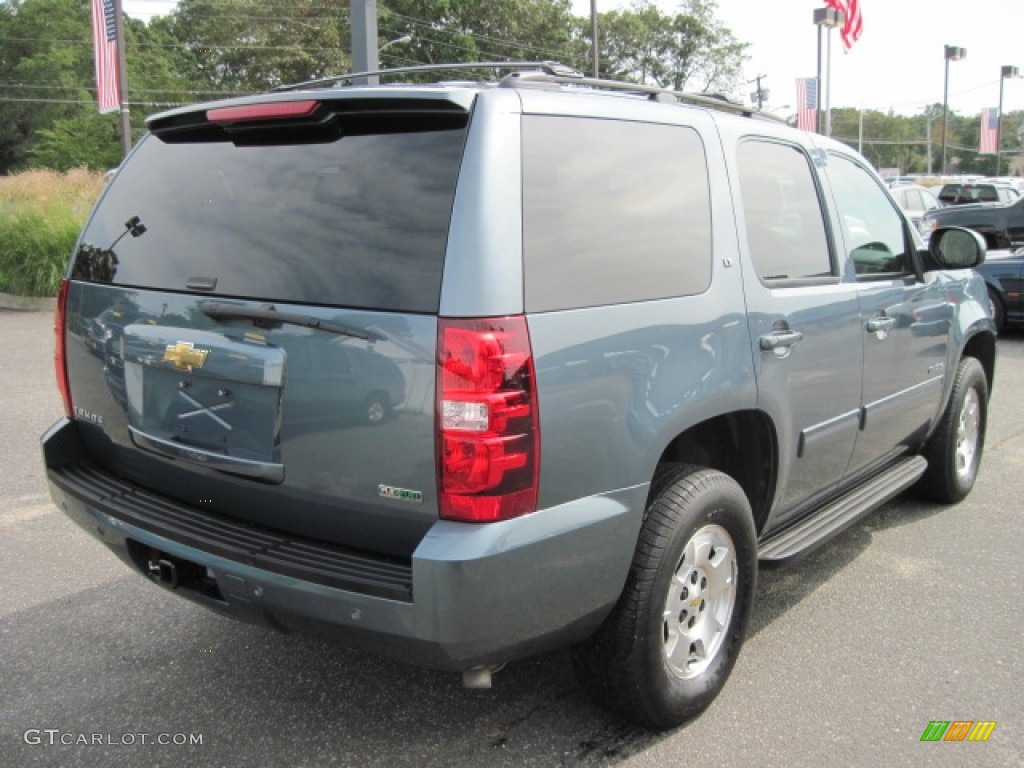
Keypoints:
pixel 817 108
pixel 122 79
pixel 828 81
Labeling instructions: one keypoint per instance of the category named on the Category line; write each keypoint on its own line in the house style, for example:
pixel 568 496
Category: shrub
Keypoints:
pixel 41 214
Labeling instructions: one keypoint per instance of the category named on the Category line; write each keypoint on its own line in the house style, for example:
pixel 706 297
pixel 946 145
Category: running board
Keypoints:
pixel 833 518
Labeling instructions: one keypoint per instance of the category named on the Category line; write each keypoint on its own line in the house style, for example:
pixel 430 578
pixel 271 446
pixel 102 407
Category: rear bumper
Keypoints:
pixel 471 594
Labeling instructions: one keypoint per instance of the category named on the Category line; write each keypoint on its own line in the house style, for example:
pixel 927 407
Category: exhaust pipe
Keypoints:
pixel 479 678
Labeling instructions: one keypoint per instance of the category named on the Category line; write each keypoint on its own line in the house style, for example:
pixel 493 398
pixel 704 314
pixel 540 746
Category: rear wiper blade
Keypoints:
pixel 266 315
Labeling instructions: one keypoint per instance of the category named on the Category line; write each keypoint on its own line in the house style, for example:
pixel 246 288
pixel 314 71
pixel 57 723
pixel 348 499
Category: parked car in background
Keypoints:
pixel 1002 226
pixel 1017 182
pixel 1004 277
pixel 977 192
pixel 915 201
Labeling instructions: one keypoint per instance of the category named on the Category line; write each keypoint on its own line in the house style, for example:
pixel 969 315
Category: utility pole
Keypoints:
pixel 593 37
pixel 759 96
pixel 364 40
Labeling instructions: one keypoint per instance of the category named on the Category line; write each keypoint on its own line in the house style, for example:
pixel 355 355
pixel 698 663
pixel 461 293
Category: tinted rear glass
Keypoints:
pixel 613 212
pixel 361 221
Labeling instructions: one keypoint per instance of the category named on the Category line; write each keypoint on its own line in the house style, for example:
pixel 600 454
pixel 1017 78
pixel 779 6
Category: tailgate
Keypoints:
pixel 251 322
pixel 294 428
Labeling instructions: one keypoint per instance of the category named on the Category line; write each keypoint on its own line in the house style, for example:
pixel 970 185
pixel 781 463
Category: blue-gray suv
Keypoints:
pixel 468 371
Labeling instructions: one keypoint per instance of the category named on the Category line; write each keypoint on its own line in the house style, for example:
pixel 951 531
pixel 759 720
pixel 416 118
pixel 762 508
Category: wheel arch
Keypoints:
pixel 982 347
pixel 743 445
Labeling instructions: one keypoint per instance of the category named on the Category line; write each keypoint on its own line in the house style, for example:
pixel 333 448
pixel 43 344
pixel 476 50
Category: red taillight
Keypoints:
pixel 488 450
pixel 60 363
pixel 273 111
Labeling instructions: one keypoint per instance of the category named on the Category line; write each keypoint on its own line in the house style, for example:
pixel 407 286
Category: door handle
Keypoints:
pixel 880 323
pixel 780 339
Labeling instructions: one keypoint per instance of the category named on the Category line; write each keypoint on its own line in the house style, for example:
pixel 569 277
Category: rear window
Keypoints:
pixel 360 221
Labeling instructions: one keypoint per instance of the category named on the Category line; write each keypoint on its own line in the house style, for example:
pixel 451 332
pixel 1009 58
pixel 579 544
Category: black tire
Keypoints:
pixel 998 313
pixel 627 665
pixel 954 450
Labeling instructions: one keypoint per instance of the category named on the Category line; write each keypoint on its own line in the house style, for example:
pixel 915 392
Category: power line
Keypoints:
pixel 186 46
pixel 91 86
pixel 429 25
pixel 93 101
pixel 290 7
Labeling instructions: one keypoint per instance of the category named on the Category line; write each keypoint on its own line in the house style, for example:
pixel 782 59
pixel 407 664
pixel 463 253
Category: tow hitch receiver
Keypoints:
pixel 174 572
pixel 164 571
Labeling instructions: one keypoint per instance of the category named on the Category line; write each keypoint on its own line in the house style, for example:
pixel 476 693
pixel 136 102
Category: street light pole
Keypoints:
pixel 952 53
pixel 593 37
pixel 1004 73
pixel 830 18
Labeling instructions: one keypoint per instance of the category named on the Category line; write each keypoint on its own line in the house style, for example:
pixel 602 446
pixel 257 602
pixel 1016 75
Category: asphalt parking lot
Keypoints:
pixel 911 616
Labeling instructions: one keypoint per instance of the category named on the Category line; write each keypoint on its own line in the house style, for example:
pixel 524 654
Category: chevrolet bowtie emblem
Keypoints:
pixel 184 356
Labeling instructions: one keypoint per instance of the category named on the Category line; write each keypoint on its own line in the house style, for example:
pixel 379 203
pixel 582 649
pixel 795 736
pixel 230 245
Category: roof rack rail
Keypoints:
pixel 552 72
pixel 719 103
pixel 548 68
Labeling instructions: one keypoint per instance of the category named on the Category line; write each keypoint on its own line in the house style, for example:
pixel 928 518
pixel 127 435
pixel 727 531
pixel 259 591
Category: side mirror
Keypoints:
pixel 956 248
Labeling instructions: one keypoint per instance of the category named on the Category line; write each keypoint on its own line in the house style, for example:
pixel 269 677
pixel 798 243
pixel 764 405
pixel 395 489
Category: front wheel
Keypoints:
pixel 669 645
pixel 954 450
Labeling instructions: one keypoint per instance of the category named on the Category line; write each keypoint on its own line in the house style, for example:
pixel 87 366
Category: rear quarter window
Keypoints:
pixel 613 212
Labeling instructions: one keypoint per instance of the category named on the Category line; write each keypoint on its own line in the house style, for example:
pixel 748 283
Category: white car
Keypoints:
pixel 916 201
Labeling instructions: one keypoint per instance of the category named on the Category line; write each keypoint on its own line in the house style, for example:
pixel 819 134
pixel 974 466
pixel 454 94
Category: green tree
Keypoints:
pixel 84 140
pixel 249 45
pixel 48 85
pixel 44 66
pixel 690 50
pixel 467 30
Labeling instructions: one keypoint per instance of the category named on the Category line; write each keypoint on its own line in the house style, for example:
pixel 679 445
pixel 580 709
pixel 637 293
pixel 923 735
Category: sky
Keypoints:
pixel 896 65
pixel 898 62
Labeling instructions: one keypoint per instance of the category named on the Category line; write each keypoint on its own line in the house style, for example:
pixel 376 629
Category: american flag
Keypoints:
pixel 854 23
pixel 104 40
pixel 989 131
pixel 807 103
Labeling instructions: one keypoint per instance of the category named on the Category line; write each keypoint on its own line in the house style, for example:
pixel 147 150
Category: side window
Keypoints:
pixel 872 227
pixel 613 212
pixel 785 226
pixel 930 203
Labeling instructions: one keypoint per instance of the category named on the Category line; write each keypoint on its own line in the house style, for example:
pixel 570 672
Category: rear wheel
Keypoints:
pixel 669 645
pixel 954 451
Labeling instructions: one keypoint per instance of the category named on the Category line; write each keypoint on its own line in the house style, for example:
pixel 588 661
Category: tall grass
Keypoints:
pixel 41 214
